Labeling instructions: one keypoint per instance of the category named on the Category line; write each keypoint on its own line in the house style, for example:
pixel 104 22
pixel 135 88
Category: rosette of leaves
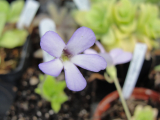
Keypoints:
pixel 148 26
pixel 10 37
pixel 121 33
pixel 52 91
pixel 124 14
pixel 126 23
pixel 145 113
pixel 98 18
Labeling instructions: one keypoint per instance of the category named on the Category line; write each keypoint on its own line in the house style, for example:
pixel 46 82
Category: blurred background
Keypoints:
pixel 26 93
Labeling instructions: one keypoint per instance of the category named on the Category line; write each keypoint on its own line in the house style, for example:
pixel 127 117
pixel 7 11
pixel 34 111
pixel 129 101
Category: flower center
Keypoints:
pixel 65 55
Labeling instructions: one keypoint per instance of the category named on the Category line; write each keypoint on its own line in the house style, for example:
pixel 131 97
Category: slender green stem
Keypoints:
pixel 116 82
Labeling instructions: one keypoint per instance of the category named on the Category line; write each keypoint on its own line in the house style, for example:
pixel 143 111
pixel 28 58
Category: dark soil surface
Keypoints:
pixel 30 106
pixel 9 59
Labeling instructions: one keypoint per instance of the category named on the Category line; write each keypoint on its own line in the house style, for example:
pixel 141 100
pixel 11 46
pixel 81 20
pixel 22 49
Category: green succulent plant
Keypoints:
pixel 13 11
pixel 157 68
pixel 124 16
pixel 98 18
pixel 148 1
pixel 52 91
pixel 151 27
pixel 122 23
pixel 145 113
pixel 10 14
pixel 13 38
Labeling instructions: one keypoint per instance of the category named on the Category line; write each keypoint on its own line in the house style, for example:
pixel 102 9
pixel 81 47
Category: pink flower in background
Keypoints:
pixel 68 55
pixel 114 57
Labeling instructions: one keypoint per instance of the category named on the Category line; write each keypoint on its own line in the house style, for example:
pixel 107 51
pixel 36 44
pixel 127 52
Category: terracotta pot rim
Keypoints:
pixel 138 93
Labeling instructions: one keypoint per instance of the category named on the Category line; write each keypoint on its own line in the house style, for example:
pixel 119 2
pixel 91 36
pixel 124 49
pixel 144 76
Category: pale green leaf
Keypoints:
pixel 37 90
pixel 41 77
pixel 60 98
pixel 2 22
pixel 55 106
pixel 157 68
pixel 52 91
pixel 145 113
pixel 13 38
pixel 15 11
pixel 4 7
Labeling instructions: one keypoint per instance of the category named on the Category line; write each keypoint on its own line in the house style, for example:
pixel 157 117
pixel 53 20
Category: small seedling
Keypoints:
pixel 52 91
pixel 145 113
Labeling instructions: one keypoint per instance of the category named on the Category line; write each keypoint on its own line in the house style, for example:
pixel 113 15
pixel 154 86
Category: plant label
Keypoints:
pixel 44 26
pixel 28 13
pixel 134 69
pixel 82 4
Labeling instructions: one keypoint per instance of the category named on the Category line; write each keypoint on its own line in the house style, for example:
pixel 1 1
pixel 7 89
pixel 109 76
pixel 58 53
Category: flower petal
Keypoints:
pixel 82 39
pixel 53 67
pixel 108 59
pixel 123 58
pixel 90 62
pixel 74 79
pixel 115 52
pixel 102 50
pixel 119 56
pixel 52 43
pixel 90 51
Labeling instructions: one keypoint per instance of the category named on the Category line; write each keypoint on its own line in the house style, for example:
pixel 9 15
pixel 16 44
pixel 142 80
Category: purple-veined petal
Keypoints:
pixel 82 39
pixel 74 79
pixel 115 52
pixel 53 67
pixel 108 58
pixel 102 50
pixel 90 62
pixel 90 51
pixel 52 43
pixel 123 58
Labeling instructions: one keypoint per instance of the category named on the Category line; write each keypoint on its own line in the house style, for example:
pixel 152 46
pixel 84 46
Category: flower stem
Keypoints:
pixel 116 82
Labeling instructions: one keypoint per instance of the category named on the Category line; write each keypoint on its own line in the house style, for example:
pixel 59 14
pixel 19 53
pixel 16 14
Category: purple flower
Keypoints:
pixel 68 55
pixel 114 57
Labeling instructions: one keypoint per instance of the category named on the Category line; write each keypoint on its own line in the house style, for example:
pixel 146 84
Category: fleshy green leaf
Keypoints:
pixel 60 98
pixel 41 77
pixel 108 38
pixel 13 38
pixel 37 90
pixel 145 113
pixel 2 22
pixel 15 11
pixel 4 7
pixel 157 68
pixel 55 106
pixel 52 91
pixel 98 18
pixel 48 86
pixel 148 21
pixel 124 12
pixel 61 85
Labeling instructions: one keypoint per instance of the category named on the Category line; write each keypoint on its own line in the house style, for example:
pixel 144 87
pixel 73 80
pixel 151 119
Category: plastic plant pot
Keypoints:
pixel 138 94
pixel 9 80
pixel 14 75
pixel 7 95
